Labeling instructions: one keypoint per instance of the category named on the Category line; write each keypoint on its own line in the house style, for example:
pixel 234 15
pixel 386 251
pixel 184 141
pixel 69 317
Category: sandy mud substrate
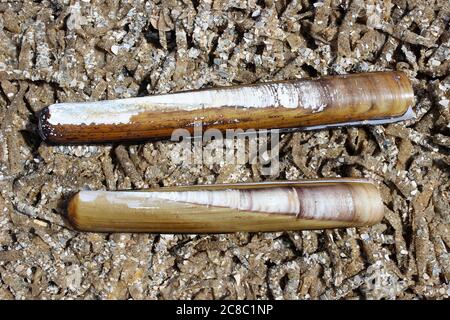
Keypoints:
pixel 93 50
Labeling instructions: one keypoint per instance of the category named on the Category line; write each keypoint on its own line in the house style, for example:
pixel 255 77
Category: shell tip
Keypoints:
pixel 72 211
pixel 44 128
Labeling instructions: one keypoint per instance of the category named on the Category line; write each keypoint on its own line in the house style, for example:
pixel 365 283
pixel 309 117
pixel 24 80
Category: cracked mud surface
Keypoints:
pixel 92 50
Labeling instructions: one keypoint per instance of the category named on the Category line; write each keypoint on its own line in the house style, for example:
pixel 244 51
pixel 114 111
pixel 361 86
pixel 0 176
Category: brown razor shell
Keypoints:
pixel 306 103
pixel 269 206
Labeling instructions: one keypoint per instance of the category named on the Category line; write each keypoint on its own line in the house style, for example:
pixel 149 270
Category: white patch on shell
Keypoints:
pixel 311 97
pixel 88 196
pixel 284 95
pixel 100 112
pixel 270 200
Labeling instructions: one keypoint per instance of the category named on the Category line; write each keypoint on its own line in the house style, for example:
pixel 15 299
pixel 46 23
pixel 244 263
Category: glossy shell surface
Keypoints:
pixel 296 205
pixel 287 104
